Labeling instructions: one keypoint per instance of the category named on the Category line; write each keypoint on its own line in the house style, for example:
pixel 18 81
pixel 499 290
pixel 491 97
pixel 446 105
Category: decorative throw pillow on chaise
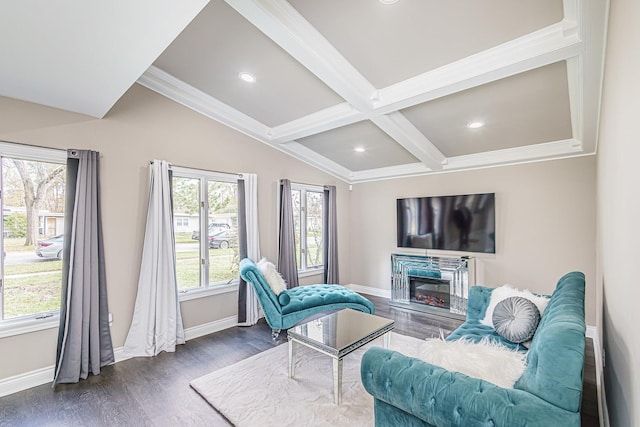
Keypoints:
pixel 516 319
pixel 506 291
pixel 272 276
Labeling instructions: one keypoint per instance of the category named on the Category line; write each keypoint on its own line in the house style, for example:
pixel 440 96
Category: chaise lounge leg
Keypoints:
pixel 275 333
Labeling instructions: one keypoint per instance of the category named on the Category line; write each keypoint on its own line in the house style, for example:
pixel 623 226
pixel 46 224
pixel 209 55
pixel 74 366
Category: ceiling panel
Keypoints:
pixel 339 144
pixel 219 44
pixel 528 108
pixel 391 43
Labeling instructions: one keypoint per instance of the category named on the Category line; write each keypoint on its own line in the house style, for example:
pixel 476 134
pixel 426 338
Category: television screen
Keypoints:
pixel 456 223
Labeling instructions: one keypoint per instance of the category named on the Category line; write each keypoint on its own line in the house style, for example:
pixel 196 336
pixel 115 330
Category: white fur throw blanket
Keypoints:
pixel 486 360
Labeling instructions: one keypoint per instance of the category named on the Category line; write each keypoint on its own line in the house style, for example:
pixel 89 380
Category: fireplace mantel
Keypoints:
pixel 452 272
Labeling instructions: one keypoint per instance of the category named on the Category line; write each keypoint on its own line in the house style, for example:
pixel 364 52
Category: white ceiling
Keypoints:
pixel 401 81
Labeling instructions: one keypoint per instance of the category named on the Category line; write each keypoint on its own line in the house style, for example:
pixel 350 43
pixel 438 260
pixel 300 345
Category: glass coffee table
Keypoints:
pixel 337 335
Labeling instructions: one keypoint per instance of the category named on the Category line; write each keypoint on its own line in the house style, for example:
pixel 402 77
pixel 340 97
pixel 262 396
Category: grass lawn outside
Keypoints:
pixel 35 293
pixel 16 244
pixel 35 287
pixel 223 267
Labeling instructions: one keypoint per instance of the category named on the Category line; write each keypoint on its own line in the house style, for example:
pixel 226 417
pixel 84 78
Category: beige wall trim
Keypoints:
pixel 45 375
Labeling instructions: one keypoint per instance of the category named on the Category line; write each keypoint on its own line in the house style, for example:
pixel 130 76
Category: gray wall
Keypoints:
pixel 619 215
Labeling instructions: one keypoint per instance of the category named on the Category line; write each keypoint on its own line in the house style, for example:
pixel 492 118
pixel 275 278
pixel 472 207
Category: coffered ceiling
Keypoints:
pixel 361 89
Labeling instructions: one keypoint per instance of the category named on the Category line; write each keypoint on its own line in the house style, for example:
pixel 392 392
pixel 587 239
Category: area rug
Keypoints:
pixel 258 392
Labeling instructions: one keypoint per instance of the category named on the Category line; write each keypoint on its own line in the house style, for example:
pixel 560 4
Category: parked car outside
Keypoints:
pixel 214 227
pixel 50 248
pixel 223 239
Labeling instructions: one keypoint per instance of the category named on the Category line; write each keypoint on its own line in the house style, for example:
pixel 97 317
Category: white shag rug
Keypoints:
pixel 258 392
pixel 485 360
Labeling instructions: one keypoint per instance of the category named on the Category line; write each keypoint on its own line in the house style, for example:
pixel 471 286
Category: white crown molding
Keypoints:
pixel 548 150
pixel 283 24
pixel 390 172
pixel 398 127
pixel 185 94
pixel 314 159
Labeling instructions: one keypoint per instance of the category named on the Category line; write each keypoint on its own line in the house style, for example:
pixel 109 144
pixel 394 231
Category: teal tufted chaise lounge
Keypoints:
pixel 293 305
pixel 411 392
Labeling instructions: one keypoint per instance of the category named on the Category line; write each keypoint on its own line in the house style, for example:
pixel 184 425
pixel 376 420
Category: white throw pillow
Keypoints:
pixel 484 360
pixel 272 276
pixel 506 291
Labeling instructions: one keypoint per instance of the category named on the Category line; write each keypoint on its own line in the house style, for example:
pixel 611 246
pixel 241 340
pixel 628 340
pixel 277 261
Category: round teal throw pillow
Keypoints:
pixel 516 319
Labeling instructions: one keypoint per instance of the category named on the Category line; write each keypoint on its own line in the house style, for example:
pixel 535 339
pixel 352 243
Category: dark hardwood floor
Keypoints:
pixel 155 391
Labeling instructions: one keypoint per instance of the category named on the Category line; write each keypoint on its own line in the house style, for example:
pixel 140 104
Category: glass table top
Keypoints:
pixel 340 332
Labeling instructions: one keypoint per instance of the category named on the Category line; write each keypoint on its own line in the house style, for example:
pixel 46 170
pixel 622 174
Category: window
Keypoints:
pixel 205 260
pixel 32 202
pixel 182 222
pixel 308 222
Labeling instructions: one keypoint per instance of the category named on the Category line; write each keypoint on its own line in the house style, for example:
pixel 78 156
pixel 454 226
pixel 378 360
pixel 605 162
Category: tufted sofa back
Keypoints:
pixel 556 356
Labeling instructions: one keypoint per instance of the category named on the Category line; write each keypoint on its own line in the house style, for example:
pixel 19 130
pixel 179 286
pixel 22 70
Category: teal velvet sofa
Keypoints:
pixel 293 305
pixel 411 392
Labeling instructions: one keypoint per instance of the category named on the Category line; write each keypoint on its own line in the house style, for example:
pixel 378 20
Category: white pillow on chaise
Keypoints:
pixel 272 276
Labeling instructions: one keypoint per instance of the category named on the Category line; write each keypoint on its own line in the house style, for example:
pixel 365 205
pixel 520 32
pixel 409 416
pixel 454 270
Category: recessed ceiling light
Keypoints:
pixel 247 77
pixel 388 1
pixel 475 125
pixel 359 149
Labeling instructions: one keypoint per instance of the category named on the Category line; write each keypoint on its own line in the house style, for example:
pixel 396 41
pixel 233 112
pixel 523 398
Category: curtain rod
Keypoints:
pixel 200 169
pixel 304 183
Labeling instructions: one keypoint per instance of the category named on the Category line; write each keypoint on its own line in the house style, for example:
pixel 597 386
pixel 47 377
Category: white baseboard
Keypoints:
pixel 376 292
pixel 211 327
pixel 45 375
pixel 27 380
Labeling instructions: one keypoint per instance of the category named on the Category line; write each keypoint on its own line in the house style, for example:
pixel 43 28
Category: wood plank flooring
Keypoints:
pixel 155 391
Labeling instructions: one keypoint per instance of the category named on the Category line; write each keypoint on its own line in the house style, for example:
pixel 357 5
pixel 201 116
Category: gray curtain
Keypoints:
pixel 286 240
pixel 330 235
pixel 84 338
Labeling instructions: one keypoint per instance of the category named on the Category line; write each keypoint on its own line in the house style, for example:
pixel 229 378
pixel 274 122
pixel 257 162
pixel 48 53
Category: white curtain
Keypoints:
pixel 248 306
pixel 157 322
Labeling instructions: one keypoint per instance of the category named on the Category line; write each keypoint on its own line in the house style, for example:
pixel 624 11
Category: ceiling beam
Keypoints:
pixel 320 121
pixel 554 43
pixel 405 133
pixel 529 153
pixel 534 50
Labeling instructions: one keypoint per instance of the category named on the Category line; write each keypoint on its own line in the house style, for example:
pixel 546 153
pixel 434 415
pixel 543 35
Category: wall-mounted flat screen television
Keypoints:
pixel 456 223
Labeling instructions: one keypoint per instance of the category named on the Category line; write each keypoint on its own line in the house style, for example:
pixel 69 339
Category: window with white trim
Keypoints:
pixel 307 201
pixel 209 259
pixel 32 202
